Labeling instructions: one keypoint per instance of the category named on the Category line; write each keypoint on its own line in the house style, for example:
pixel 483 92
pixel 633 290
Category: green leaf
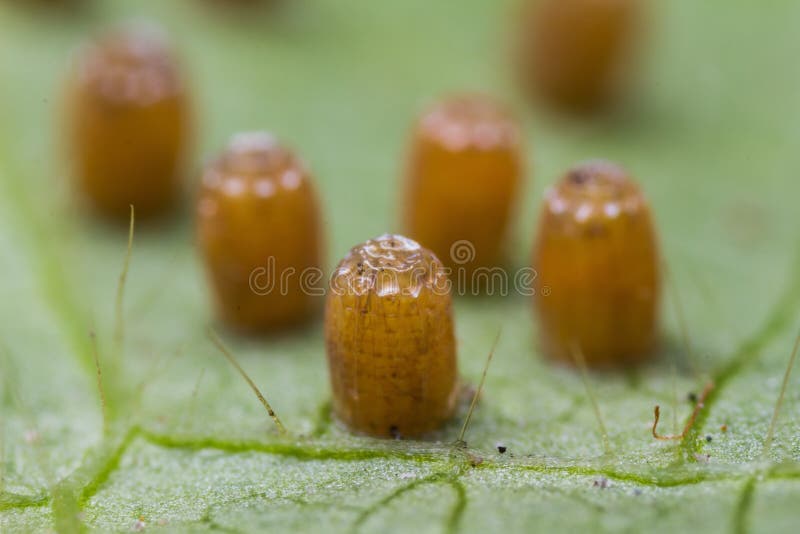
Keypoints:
pixel 712 136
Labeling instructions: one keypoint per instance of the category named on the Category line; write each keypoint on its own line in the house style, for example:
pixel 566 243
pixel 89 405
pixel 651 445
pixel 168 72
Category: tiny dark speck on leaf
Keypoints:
pixel 501 449
pixel 475 461
pixel 709 438
pixel 601 483
pixel 692 397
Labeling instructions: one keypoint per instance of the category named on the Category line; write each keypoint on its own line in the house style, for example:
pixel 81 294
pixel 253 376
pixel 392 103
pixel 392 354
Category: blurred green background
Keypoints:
pixel 711 134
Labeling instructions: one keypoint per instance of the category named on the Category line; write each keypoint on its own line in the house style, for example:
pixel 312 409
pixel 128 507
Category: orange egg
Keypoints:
pixel 464 174
pixel 596 257
pixel 258 225
pixel 575 54
pixel 128 124
pixel 389 338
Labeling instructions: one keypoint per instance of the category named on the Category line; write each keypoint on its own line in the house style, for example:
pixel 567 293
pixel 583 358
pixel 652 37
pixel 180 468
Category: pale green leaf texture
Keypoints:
pixel 712 136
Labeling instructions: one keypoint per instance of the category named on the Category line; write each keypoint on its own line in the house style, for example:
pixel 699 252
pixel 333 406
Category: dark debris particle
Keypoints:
pixel 579 176
pixel 601 483
pixel 709 438
pixel 692 397
pixel 501 449
pixel 475 461
pixel 395 432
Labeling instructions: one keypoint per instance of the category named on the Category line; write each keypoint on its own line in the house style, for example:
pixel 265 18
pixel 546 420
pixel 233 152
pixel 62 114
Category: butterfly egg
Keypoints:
pixel 575 54
pixel 464 172
pixel 258 227
pixel 389 338
pixel 598 284
pixel 127 123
